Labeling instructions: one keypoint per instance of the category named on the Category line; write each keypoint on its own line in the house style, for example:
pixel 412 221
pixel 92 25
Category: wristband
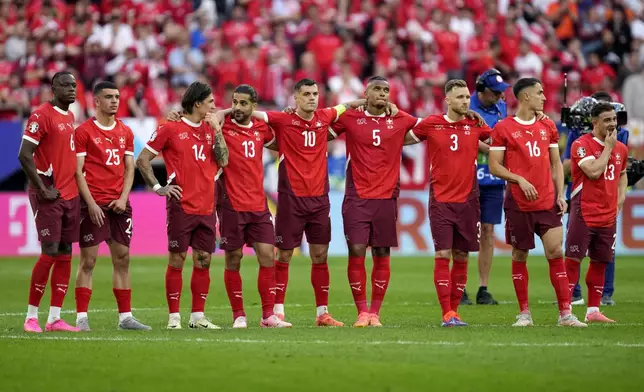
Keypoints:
pixel 156 187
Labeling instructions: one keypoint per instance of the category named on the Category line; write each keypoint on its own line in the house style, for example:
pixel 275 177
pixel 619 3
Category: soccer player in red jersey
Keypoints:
pixel 599 183
pixel 104 174
pixel 454 211
pixel 370 208
pixel 525 152
pixel 303 203
pixel 48 157
pixel 242 210
pixel 193 150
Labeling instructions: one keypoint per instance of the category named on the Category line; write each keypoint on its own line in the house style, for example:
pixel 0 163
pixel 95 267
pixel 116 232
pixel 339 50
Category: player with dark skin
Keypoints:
pixel 64 89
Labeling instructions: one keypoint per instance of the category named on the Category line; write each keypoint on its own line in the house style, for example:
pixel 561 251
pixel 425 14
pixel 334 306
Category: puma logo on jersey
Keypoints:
pixel 376 120
pixel 108 139
pixel 530 132
pixel 37 115
pixel 196 136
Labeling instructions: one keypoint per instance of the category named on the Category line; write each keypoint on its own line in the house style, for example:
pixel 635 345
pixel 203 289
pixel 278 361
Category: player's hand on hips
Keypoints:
pixel 170 191
pixel 562 204
pixel 118 206
pixel 611 139
pixel 472 115
pixel 528 189
pixel 174 115
pixel 96 214
pixel 50 194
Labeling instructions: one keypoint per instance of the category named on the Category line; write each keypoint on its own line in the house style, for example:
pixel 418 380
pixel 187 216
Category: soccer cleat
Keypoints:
pixel 577 301
pixel 597 317
pixel 280 316
pixel 240 322
pixel 132 324
pixel 523 320
pixel 174 322
pixel 465 299
pixel 203 323
pixel 570 321
pixel 483 297
pixel 327 321
pixel 31 325
pixel 374 320
pixel 83 324
pixel 274 322
pixel 363 320
pixel 60 326
pixel 452 319
pixel 607 300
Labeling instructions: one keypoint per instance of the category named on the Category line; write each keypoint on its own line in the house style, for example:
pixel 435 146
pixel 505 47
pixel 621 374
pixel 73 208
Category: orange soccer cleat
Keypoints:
pixel 362 321
pixel 326 320
pixel 374 320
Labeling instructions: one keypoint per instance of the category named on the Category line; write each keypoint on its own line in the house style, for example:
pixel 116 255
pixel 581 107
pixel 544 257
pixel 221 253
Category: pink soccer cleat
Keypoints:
pixel 362 321
pixel 31 325
pixel 274 322
pixel 60 326
pixel 598 317
pixel 374 320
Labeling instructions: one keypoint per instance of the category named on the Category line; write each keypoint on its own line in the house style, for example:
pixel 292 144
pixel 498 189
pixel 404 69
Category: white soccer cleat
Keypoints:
pixel 571 321
pixel 240 322
pixel 174 322
pixel 523 320
pixel 274 322
pixel 202 323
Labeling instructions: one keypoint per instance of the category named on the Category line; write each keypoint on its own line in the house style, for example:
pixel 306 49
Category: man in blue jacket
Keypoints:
pixel 488 102
pixel 622 136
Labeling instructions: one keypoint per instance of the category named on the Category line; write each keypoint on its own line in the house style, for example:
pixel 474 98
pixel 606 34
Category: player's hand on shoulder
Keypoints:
pixel 170 191
pixel 174 115
pixel 392 109
pixel 289 110
pixel 96 214
pixel 611 139
pixel 50 193
pixel 562 204
pixel 118 206
pixel 528 189
pixel 472 115
pixel 541 116
pixel 211 120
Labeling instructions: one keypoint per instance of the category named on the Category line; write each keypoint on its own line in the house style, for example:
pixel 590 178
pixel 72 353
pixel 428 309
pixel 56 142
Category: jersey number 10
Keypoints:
pixel 309 138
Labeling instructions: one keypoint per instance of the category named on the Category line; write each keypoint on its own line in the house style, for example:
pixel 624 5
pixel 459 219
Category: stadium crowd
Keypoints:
pixel 153 50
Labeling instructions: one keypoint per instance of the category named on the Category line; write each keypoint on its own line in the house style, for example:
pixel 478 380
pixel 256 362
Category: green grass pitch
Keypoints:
pixel 411 353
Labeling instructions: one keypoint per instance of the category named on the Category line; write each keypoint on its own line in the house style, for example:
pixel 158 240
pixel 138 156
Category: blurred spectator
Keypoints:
pixel 527 64
pixel 632 94
pixel 116 36
pixel 185 62
pixel 564 16
pixel 346 86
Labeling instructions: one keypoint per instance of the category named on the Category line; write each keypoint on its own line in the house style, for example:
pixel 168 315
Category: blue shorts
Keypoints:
pixel 491 204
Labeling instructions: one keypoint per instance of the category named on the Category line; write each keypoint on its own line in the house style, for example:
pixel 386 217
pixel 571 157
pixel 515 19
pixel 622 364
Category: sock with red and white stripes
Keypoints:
pixel 458 281
pixel 559 281
pixel 595 283
pixel 379 281
pixel 59 283
pixel 123 302
pixel 39 277
pixel 573 271
pixel 173 287
pixel 442 283
pixel 82 295
pixel 357 274
pixel 266 287
pixel 281 282
pixel 520 281
pixel 233 283
pixel 320 281
pixel 199 286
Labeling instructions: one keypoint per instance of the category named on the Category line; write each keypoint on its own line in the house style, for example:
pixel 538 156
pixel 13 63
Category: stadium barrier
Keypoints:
pixel 19 237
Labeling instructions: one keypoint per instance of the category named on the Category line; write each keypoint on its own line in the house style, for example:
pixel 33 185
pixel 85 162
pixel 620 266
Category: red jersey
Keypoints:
pixel 190 162
pixel 104 149
pixel 302 151
pixel 241 183
pixel 52 130
pixel 527 153
pixel 452 148
pixel 598 198
pixel 374 148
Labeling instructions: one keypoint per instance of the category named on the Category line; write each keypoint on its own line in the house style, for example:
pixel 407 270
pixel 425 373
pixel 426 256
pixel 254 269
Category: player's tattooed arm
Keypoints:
pixel 220 148
pixel 497 169
pixel 96 214
pixel 26 158
pixel 143 162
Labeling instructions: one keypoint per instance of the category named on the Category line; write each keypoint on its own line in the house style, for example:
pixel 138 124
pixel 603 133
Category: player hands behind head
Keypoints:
pixel 193 152
pixel 48 157
pixel 104 174
pixel 454 194
pixel 369 210
pixel 243 213
pixel 525 152
pixel 599 183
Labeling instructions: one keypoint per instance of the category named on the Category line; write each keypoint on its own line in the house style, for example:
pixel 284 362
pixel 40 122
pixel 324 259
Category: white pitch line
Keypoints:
pixel 322 342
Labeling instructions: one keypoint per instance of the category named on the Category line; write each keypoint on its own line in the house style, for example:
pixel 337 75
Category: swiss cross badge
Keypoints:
pixel 390 123
pixel 318 124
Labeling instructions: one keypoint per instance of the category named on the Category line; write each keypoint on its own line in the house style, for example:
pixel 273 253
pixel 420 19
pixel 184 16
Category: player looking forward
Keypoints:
pixel 370 207
pixel 525 152
pixel 599 183
pixel 104 174
pixel 48 157
pixel 193 150
pixel 243 213
pixel 454 210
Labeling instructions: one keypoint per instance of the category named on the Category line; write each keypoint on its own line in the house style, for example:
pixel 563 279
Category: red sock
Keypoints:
pixel 358 282
pixel 281 281
pixel 83 295
pixel 173 287
pixel 60 279
pixel 379 282
pixel 199 286
pixel 39 277
pixel 441 281
pixel 266 287
pixel 520 281
pixel 595 282
pixel 233 283
pixel 123 299
pixel 458 280
pixel 572 270
pixel 559 281
pixel 320 282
